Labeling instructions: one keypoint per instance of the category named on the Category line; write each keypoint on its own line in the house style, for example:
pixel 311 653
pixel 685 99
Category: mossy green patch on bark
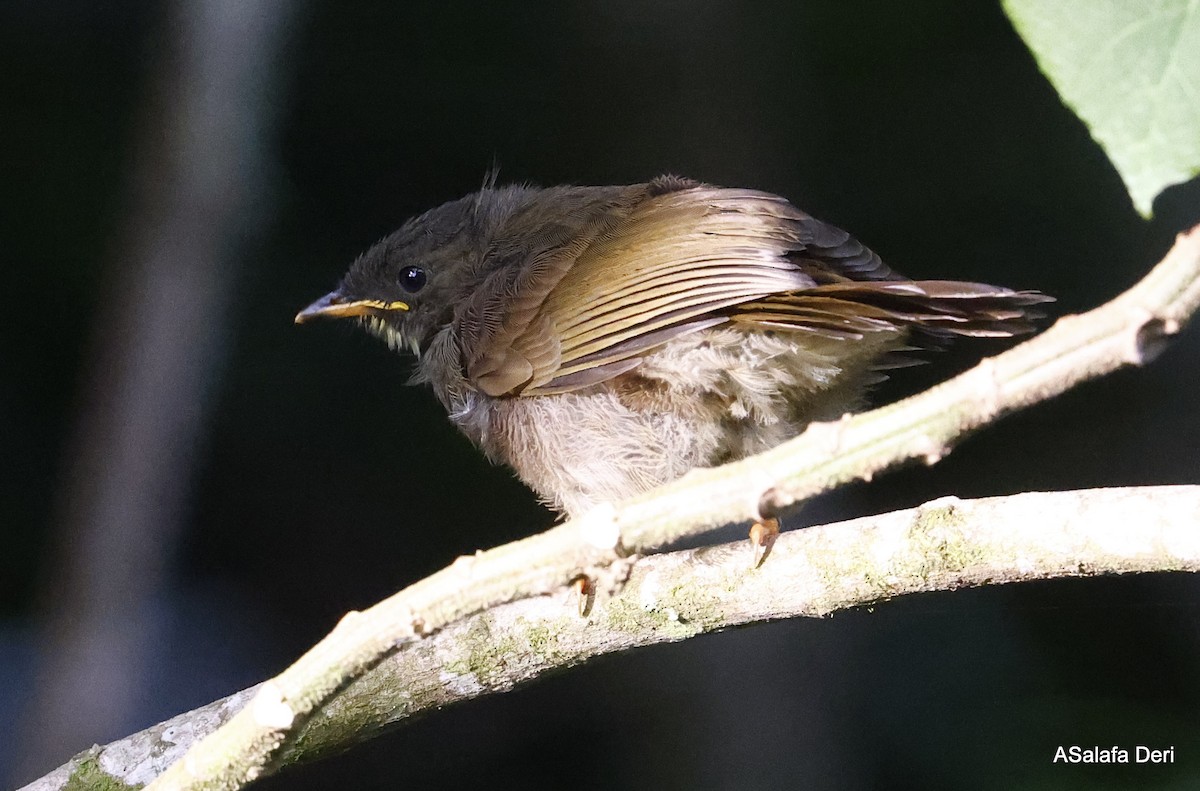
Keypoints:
pixel 848 572
pixel 933 546
pixel 694 605
pixel 88 776
pixel 484 656
pixel 938 540
pixel 542 641
pixel 682 611
pixel 623 615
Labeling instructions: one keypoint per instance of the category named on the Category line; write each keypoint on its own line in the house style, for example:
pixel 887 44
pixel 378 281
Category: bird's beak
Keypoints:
pixel 334 306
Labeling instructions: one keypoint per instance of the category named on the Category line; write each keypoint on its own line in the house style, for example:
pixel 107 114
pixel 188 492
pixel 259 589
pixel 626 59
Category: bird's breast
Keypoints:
pixel 697 401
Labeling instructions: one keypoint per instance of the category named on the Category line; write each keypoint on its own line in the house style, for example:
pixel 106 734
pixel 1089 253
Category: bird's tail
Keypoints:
pixel 933 308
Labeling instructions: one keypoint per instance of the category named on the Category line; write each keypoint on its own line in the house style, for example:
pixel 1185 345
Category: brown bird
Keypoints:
pixel 604 340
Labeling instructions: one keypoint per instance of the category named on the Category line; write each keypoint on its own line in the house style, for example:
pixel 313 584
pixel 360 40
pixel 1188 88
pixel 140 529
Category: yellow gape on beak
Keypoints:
pixel 334 306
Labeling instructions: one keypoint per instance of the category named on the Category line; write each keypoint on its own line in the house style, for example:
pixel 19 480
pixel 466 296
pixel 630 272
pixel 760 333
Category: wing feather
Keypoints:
pixel 582 299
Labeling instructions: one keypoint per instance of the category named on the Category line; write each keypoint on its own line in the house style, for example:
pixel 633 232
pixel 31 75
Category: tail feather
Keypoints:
pixel 934 308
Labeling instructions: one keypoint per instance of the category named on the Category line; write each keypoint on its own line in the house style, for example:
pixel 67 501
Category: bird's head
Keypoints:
pixel 405 287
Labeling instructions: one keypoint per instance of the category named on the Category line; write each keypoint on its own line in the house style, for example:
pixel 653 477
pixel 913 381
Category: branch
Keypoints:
pixel 1128 330
pixel 943 545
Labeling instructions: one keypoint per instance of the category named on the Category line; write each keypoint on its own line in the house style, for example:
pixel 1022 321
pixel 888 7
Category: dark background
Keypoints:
pixel 300 478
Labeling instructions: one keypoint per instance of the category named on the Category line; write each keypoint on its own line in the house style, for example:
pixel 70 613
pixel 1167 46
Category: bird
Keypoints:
pixel 604 340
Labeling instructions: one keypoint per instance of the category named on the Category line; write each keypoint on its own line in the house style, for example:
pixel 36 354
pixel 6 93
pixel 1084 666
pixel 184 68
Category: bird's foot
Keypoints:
pixel 762 538
pixel 585 593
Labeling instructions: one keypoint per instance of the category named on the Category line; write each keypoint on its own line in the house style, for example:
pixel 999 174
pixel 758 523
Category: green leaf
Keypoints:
pixel 1131 70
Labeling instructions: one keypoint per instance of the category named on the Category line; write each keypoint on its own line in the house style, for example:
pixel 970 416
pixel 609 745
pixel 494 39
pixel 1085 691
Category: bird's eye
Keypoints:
pixel 412 279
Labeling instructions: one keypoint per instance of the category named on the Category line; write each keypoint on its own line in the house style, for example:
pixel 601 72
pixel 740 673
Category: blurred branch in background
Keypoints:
pixel 157 348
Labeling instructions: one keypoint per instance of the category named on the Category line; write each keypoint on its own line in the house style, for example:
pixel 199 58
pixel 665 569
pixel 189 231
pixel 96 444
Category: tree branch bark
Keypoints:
pixel 942 545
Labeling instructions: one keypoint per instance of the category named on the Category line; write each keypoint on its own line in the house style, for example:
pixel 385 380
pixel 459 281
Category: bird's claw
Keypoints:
pixel 762 538
pixel 584 594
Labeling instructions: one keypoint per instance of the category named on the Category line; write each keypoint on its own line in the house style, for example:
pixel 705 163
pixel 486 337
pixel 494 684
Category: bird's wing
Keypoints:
pixel 613 276
pixel 628 272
